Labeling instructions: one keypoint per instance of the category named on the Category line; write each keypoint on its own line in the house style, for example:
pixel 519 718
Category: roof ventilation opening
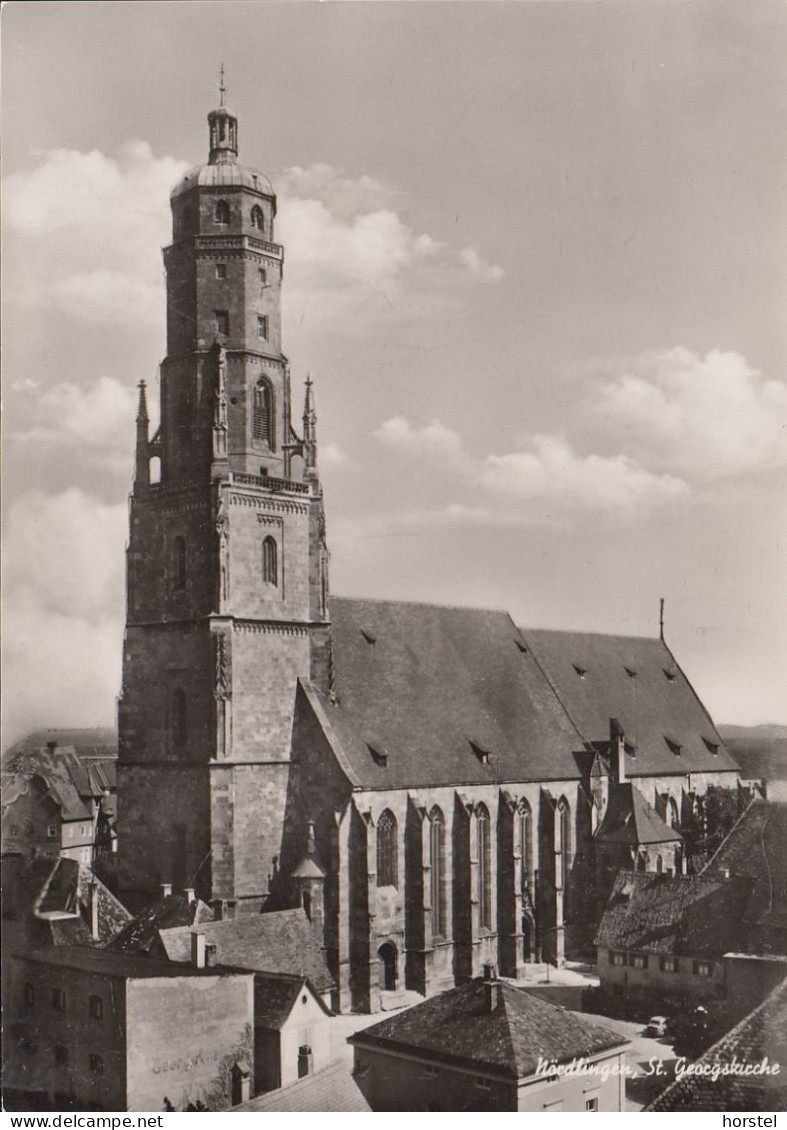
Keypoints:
pixel 630 747
pixel 713 747
pixel 482 754
pixel 676 747
pixel 581 671
pixel 632 674
pixel 669 675
pixel 378 757
pixel 521 646
pixel 369 637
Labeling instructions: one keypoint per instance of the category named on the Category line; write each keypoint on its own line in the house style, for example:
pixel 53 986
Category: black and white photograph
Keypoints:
pixel 394 631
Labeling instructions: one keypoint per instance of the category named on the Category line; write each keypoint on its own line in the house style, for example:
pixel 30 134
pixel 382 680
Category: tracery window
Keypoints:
pixel 437 872
pixel 484 868
pixel 262 415
pixel 270 561
pixel 526 844
pixel 387 851
pixel 564 840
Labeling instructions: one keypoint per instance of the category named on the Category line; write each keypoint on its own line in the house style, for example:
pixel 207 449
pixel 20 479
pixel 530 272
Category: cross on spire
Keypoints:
pixel 222 87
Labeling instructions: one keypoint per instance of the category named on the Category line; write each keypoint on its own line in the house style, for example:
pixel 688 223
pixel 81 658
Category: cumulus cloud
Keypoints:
pixel 478 267
pixel 703 418
pixel 433 439
pixel 331 455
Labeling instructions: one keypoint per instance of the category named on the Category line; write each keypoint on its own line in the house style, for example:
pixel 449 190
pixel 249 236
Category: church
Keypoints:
pixel 440 788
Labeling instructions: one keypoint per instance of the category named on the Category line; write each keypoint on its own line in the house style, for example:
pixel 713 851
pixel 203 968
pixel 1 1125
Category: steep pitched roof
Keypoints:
pixel 332 1089
pixel 114 964
pixel 457 1028
pixel 683 914
pixel 141 935
pixel 761 1034
pixel 631 820
pixel 637 681
pixel 428 695
pixel 282 941
pixel 756 848
pixel 275 995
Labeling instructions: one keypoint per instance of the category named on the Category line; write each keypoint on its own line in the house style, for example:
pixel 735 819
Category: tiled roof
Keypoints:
pixel 141 935
pixel 275 995
pixel 101 743
pixel 683 914
pixel 637 681
pixel 756 848
pixel 761 1034
pixel 631 820
pixel 457 1028
pixel 113 964
pixel 418 686
pixel 282 941
pixel 332 1089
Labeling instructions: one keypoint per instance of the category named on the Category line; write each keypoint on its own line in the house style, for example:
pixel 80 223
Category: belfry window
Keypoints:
pixel 387 852
pixel 262 415
pixel 270 562
pixel 437 870
pixel 179 563
pixel 262 326
pixel 222 322
pixel 178 717
pixel 257 218
pixel 222 215
pixel 484 868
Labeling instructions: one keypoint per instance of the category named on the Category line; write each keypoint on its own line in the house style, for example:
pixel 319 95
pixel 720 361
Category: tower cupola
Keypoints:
pixel 223 131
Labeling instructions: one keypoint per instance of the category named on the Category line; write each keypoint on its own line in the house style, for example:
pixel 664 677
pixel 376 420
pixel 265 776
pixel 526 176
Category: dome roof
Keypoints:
pixel 223 175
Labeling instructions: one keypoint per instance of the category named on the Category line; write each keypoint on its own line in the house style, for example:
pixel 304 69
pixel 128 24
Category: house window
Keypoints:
pixel 262 326
pixel 484 868
pixel 270 562
pixel 29 997
pixel 669 965
pixel 387 851
pixel 222 214
pixel 483 1084
pixel 437 870
pixel 178 720
pixel 639 961
pixel 222 322
pixel 51 832
pixel 61 1055
pixel 59 1000
pixel 97 1065
pixel 591 1104
pixel 96 1008
pixel 703 968
pixel 257 218
pixel 221 271
pixel 430 1069
pixel 262 416
pixel 616 958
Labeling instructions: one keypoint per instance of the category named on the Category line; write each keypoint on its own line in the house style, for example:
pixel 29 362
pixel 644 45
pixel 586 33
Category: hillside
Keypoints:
pixel 761 751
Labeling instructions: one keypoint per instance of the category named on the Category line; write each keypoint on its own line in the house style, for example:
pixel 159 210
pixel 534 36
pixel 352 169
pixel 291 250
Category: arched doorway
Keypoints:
pixel 388 962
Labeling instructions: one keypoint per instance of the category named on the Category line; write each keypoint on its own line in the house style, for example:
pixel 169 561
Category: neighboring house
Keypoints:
pixel 291 1030
pixel 756 851
pixel 279 942
pixel 719 1081
pixel 490 1046
pixel 97 1030
pixel 331 1090
pixel 666 935
pixel 142 934
pixel 59 795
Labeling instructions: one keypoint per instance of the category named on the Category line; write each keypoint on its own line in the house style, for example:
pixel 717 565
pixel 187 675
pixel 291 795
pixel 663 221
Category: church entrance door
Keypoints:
pixel 388 962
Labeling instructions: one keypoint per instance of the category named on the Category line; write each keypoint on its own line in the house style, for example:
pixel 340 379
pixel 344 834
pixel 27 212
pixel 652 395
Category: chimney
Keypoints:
pixel 94 912
pixel 189 893
pixel 51 746
pixel 617 751
pixel 166 890
pixel 198 950
pixel 491 988
pixel 725 871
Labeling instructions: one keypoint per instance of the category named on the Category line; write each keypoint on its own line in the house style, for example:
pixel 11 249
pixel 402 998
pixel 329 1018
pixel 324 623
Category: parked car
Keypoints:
pixel 656 1026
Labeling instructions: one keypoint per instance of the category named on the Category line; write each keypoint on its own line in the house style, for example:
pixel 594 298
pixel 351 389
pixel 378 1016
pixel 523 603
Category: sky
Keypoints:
pixel 536 263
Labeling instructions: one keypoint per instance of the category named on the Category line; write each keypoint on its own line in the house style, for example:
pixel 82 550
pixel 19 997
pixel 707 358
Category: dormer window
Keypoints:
pixel 481 753
pixel 222 214
pixel 712 747
pixel 669 675
pixel 632 674
pixel 581 671
pixel 674 746
pixel 378 757
pixel 521 646
pixel 370 639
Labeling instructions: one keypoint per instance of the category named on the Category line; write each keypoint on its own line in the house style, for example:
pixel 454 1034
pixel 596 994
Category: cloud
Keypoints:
pixel 331 455
pixel 431 440
pixel 477 267
pixel 343 195
pixel 702 418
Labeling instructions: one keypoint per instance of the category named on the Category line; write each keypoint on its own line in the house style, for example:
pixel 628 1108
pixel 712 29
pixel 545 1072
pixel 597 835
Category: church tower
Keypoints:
pixel 227 563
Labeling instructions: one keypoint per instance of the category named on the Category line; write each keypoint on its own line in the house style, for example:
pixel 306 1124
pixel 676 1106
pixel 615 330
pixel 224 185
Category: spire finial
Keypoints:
pixel 661 618
pixel 222 87
pixel 142 410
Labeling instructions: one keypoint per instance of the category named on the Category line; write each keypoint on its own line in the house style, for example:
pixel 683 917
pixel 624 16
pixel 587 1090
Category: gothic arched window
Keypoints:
pixel 484 867
pixel 672 813
pixel 257 218
pixel 270 561
pixel 178 717
pixel 222 215
pixel 564 841
pixel 437 872
pixel 387 851
pixel 179 563
pixel 526 843
pixel 262 415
